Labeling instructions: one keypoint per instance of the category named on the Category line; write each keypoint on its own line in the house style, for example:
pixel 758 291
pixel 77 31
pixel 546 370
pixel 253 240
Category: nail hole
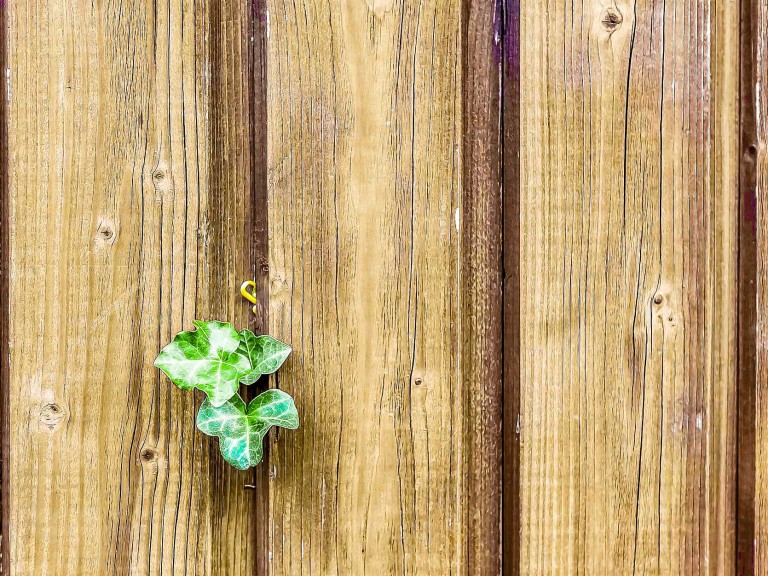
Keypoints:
pixel 658 299
pixel 418 381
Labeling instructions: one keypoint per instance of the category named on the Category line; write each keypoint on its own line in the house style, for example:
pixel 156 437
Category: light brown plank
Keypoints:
pixel 364 170
pixel 757 159
pixel 129 168
pixel 5 261
pixel 629 172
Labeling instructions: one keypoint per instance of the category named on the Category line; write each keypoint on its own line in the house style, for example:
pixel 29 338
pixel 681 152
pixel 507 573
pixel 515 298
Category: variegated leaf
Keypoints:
pixel 241 429
pixel 207 359
pixel 264 352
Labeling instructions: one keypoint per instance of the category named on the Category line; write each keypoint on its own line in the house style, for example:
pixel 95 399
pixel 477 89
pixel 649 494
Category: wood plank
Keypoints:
pixel 755 160
pixel 5 260
pixel 128 200
pixel 258 114
pixel 749 318
pixel 510 103
pixel 482 295
pixel 364 188
pixel 629 163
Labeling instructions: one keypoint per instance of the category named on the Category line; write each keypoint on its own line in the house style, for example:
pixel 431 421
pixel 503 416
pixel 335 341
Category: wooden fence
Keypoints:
pixel 517 247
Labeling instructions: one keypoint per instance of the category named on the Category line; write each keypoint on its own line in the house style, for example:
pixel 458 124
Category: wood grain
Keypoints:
pixel 5 260
pixel 629 166
pixel 482 349
pixel 258 114
pixel 128 200
pixel 365 207
pixel 510 166
pixel 755 164
pixel 749 321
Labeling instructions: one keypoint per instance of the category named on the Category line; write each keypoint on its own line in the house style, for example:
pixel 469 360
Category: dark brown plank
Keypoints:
pixel 482 346
pixel 259 226
pixel 237 244
pixel 510 61
pixel 747 308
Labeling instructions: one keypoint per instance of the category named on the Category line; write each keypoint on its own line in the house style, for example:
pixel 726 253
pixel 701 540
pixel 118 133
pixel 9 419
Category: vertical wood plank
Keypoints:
pixel 482 352
pixel 5 260
pixel 257 98
pixel 128 200
pixel 755 141
pixel 365 211
pixel 749 320
pixel 510 104
pixel 629 115
pixel 232 211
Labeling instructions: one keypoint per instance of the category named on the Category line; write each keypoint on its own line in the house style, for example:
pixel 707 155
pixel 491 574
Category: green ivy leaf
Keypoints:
pixel 264 352
pixel 241 429
pixel 207 359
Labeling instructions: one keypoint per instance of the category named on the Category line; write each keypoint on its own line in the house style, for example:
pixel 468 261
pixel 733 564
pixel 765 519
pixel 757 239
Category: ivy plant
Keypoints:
pixel 241 428
pixel 216 359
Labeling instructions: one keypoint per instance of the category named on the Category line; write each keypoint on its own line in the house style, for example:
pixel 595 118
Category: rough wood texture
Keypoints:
pixel 4 311
pixel 129 179
pixel 364 171
pixel 756 159
pixel 629 167
pixel 749 318
pixel 510 134
pixel 482 351
pixel 257 98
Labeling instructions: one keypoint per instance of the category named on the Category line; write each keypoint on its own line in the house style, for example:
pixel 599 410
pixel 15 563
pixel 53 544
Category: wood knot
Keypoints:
pixel 148 455
pixel 105 232
pixel 162 179
pixel 611 19
pixel 264 267
pixel 51 415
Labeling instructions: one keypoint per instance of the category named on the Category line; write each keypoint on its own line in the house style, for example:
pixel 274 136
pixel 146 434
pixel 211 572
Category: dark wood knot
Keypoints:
pixel 611 19
pixel 148 455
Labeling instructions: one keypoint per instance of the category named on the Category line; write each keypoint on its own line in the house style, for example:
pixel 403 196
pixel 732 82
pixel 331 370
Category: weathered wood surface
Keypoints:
pixel 509 51
pixel 608 274
pixel 756 160
pixel 129 199
pixel 5 261
pixel 482 304
pixel 629 167
pixel 750 320
pixel 364 190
